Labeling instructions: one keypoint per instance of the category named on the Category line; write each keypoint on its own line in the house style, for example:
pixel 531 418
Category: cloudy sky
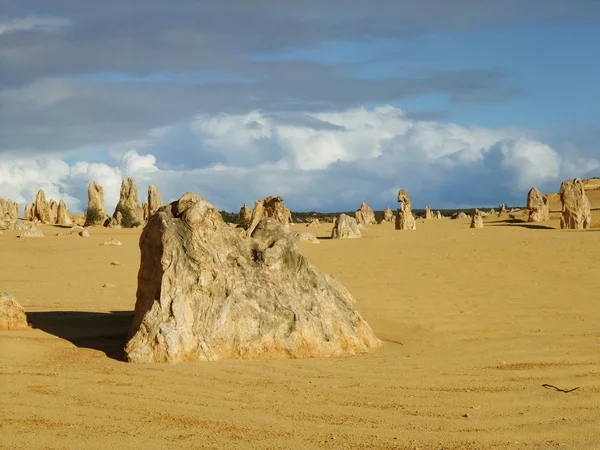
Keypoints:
pixel 460 102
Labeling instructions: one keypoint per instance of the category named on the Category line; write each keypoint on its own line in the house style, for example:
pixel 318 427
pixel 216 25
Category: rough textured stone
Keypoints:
pixel 345 227
pixel 84 233
pixel 314 223
pixel 364 215
pixel 9 210
pixel 113 242
pixel 269 207
pixel 27 214
pixel 40 209
pixel 96 212
pixel 438 215
pixel 206 292
pixel 62 215
pixel 404 218
pixel 576 213
pixel 31 232
pixel 503 209
pixel 128 205
pixel 307 237
pixel 428 214
pixel 154 201
pixel 245 216
pixel 12 315
pixel 388 215
pixel 460 215
pixel 477 220
pixel 538 205
pixel 53 211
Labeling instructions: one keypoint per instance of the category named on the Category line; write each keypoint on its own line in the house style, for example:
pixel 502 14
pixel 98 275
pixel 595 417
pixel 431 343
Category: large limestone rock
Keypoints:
pixel 477 220
pixel 53 211
pixel 428 214
pixel 388 215
pixel 154 200
pixel 12 315
pixel 345 227
pixel 404 218
pixel 438 215
pixel 145 211
pixel 132 213
pixel 31 232
pixel 9 210
pixel 269 207
pixel 40 209
pixel 27 214
pixel 364 215
pixel 62 214
pixel 576 213
pixel 245 216
pixel 96 212
pixel 539 208
pixel 503 209
pixel 314 223
pixel 207 292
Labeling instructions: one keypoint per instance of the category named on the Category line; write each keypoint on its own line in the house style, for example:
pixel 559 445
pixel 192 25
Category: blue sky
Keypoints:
pixel 505 92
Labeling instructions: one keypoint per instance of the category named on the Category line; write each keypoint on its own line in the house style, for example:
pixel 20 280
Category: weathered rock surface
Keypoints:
pixel 154 201
pixel 132 213
pixel 345 227
pixel 31 232
pixel 459 215
pixel 53 211
pixel 477 220
pixel 428 214
pixel 503 209
pixel 62 215
pixel 206 292
pixel 405 220
pixel 307 237
pixel 84 233
pixel 145 210
pixel 364 215
pixel 388 215
pixel 269 207
pixel 96 212
pixel 9 210
pixel 438 215
pixel 27 214
pixel 113 242
pixel 245 216
pixel 314 223
pixel 576 213
pixel 12 315
pixel 538 205
pixel 40 209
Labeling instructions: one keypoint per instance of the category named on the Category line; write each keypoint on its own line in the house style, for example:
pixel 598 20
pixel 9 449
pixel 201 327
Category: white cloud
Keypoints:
pixel 327 161
pixel 32 23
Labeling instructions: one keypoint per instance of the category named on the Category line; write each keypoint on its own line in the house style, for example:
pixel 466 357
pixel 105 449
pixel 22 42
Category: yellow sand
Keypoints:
pixel 474 323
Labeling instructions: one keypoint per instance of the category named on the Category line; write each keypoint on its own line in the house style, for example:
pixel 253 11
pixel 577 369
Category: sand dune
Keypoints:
pixel 475 322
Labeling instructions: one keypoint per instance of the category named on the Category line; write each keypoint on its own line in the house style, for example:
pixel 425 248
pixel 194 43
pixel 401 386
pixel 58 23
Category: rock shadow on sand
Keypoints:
pixel 103 331
pixel 519 223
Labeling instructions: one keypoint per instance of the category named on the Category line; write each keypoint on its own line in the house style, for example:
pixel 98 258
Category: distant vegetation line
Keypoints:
pixel 305 217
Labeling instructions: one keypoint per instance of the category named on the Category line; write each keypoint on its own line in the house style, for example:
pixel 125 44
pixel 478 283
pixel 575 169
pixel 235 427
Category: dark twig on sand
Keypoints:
pixel 550 386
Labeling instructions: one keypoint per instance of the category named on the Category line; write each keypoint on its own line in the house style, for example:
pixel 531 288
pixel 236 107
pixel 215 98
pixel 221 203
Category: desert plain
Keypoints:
pixel 482 330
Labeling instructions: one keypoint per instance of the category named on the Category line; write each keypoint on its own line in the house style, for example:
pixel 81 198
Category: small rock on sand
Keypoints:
pixel 114 242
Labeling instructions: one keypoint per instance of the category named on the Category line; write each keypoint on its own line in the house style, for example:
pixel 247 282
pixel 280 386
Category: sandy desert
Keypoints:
pixel 482 332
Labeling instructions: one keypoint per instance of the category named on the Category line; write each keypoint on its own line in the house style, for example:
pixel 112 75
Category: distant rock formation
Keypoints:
pixel 404 218
pixel 388 215
pixel 128 205
pixel 95 213
pixel 245 216
pixel 62 214
pixel 576 213
pixel 9 210
pixel 364 215
pixel 53 211
pixel 145 210
pixel 207 292
pixel 313 223
pixel 40 209
pixel 459 215
pixel 27 214
pixel 12 315
pixel 269 207
pixel 154 200
pixel 477 220
pixel 438 215
pixel 538 205
pixel 503 209
pixel 345 227
pixel 307 237
pixel 428 214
